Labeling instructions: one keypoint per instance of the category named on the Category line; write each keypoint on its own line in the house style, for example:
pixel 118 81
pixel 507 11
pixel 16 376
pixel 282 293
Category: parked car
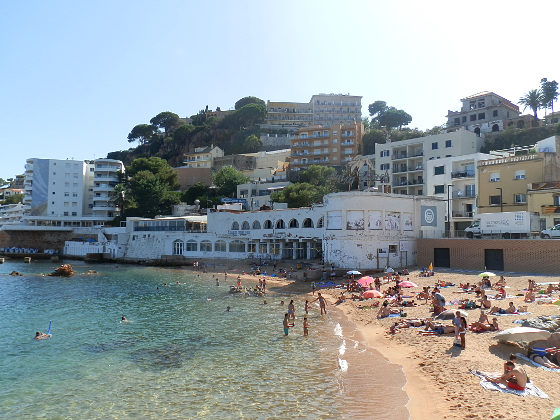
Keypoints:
pixel 553 232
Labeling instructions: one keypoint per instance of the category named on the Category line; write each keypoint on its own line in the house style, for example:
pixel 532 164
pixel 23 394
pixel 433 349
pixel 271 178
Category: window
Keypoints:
pixel 206 246
pixel 280 224
pixel 473 117
pixel 447 143
pixel 494 200
pixel 66 213
pixel 335 141
pixel 457 121
pixel 393 249
pixel 293 224
pixel 245 226
pixel 220 246
pixel 320 223
pixel 519 198
pixel 439 189
pixel 74 213
pixel 495 177
pixel 482 115
pixel 556 200
pixel 520 174
pixel 439 170
pixel 434 145
pixel 308 223
pixel 384 153
pixel 236 246
pixel 256 225
pixel 267 224
pixel 495 113
pixel 464 118
pixel 192 246
pixel 235 226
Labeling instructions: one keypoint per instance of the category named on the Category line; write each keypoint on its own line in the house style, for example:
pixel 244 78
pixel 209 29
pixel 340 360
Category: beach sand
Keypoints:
pixel 439 384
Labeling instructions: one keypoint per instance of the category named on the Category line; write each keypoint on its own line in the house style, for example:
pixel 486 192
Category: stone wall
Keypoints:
pixel 35 239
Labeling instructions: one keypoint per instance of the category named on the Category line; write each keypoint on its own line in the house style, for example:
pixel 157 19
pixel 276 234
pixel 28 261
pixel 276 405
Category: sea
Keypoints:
pixel 181 354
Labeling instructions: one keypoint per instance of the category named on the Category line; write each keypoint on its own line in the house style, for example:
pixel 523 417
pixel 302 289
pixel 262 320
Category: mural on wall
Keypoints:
pixel 334 220
pixel 407 221
pixel 355 220
pixel 376 220
pixel 40 189
pixel 392 221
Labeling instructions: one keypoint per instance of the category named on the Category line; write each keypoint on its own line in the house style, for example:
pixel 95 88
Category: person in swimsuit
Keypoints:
pixel 286 324
pixel 322 303
pixel 515 377
pixel 291 310
pixel 40 336
pixel 305 327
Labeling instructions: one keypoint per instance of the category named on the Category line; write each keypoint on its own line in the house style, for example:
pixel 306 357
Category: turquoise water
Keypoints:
pixel 180 356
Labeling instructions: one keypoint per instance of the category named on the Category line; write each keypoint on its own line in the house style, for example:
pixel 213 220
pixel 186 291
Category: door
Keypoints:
pixel 441 257
pixel 494 259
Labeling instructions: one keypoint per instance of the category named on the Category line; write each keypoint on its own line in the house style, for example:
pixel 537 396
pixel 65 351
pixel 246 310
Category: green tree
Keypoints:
pixel 324 176
pixel 151 194
pixel 533 99
pixel 227 179
pixel 250 114
pixel 14 199
pixel 157 166
pixel 301 194
pixel 197 191
pixel 167 121
pixel 393 117
pixel 249 100
pixel 252 144
pixel 377 108
pixel 549 93
pixel 372 137
pixel 199 119
pixel 142 133
pixel 183 133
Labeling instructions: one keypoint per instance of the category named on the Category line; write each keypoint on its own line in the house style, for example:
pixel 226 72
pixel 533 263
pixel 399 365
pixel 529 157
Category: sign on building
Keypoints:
pixel 429 216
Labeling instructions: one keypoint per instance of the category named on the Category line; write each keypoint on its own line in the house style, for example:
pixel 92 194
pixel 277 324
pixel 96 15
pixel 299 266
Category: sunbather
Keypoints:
pixel 482 326
pixel 438 328
pixel 529 296
pixel 515 378
pixel 385 311
pixel 407 324
pixel 542 360
pixel 510 310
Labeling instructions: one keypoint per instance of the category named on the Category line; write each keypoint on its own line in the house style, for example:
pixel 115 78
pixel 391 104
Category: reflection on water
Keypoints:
pixel 181 356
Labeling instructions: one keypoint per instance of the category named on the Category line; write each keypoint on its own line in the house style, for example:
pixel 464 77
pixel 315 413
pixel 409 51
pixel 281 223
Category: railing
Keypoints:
pixel 462 174
pixel 463 194
pixel 399 156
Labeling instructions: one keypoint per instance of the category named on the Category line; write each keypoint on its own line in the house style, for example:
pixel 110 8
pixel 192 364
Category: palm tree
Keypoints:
pixel 533 99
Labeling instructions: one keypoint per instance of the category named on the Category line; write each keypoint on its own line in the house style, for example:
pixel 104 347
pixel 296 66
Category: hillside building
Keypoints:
pixel 203 157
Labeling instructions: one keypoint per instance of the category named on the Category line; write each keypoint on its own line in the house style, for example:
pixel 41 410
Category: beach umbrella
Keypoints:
pixel 355 272
pixel 365 281
pixel 407 284
pixel 487 274
pixel 372 294
pixel 518 334
pixel 450 314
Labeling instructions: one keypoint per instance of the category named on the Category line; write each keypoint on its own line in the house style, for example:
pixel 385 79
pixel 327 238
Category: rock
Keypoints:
pixel 548 323
pixel 65 270
pixel 15 273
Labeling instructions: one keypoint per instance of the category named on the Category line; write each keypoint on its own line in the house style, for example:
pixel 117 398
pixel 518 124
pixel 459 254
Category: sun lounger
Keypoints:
pixel 530 388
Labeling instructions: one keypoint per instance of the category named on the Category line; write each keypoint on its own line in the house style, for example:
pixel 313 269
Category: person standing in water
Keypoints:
pixel 292 310
pixel 322 303
pixel 305 327
pixel 286 324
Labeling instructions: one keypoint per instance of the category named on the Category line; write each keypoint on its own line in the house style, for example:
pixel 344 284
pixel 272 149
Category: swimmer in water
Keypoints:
pixel 40 336
pixel 123 319
pixel 228 309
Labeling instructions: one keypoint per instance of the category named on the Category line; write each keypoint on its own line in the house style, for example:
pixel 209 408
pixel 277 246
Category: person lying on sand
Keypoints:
pixel 485 326
pixel 515 377
pixel 437 328
pixel 385 311
pixel 407 324
pixel 543 360
pixel 510 310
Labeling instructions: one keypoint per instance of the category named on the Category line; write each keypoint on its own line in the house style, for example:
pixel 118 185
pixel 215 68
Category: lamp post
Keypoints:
pixel 501 199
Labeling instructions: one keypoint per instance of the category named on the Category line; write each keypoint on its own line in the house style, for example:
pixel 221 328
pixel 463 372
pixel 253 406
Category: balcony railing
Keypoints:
pixel 399 156
pixel 463 194
pixel 462 174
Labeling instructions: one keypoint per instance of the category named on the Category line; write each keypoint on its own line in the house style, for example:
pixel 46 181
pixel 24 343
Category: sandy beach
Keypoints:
pixel 439 384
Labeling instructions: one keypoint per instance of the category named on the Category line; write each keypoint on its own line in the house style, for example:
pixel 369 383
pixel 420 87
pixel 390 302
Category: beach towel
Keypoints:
pixel 530 388
pixel 517 313
pixel 521 356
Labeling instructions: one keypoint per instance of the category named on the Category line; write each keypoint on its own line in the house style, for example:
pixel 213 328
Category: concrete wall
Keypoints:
pixel 522 255
pixel 34 239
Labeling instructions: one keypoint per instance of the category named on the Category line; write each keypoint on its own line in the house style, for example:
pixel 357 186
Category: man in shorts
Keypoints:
pixel 514 377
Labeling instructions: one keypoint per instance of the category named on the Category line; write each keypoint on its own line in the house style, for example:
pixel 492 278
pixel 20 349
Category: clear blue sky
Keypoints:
pixel 76 76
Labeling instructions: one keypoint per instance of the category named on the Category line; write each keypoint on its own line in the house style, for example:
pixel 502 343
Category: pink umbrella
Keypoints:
pixel 372 294
pixel 365 281
pixel 407 284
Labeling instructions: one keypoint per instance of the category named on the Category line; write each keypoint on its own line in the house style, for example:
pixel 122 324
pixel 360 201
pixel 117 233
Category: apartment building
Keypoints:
pixel 70 193
pixel 404 162
pixel 202 157
pixel 503 183
pixel 322 109
pixel 454 179
pixel 257 194
pixel 333 145
pixel 484 112
pixel 11 214
pixel 544 198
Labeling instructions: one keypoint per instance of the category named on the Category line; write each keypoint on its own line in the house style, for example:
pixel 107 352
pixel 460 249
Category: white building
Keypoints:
pixel 257 194
pixel 11 214
pixel 454 179
pixel 70 193
pixel 404 161
pixel 352 230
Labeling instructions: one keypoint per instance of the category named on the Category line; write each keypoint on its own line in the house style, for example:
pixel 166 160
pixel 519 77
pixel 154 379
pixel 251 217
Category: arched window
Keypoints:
pixel 307 223
pixel 220 246
pixel 256 225
pixel 280 224
pixel 267 224
pixel 236 246
pixel 178 247
pixel 320 223
pixel 235 226
pixel 206 246
pixel 245 226
pixel 520 124
pixel 293 224
pixel 495 128
pixel 192 246
pixel 477 131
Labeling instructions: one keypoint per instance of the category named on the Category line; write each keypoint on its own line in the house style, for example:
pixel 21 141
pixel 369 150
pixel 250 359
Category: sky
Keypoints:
pixel 76 76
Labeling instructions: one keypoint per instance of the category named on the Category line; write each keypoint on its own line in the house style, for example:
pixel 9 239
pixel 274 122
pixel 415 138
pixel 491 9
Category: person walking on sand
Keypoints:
pixel 322 303
pixel 305 327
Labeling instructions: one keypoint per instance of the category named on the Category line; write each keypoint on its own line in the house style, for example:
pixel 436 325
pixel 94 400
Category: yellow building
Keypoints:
pixel 504 183
pixel 328 146
pixel 544 198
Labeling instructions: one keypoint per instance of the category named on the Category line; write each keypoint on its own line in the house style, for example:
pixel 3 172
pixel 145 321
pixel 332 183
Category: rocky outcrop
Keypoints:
pixel 548 323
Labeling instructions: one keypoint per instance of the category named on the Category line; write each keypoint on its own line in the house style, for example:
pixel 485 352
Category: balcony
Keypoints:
pixel 417 153
pixel 347 143
pixel 401 155
pixel 416 168
pixel 463 174
pixel 467 215
pixel 463 194
pixel 399 169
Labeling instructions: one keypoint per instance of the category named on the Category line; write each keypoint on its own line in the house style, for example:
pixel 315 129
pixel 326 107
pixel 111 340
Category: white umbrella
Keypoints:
pixel 518 334
pixel 450 314
pixel 487 274
pixel 353 272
